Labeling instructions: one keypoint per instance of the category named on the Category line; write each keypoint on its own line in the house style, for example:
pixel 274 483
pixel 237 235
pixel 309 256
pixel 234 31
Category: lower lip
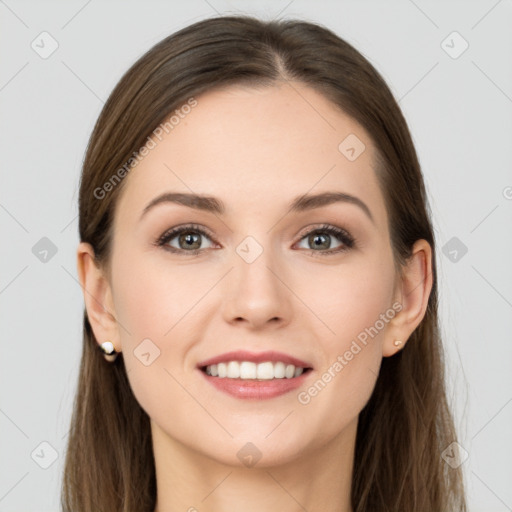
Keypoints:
pixel 256 389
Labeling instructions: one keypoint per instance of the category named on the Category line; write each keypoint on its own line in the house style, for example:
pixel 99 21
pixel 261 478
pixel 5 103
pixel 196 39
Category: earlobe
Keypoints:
pixel 413 293
pixel 97 296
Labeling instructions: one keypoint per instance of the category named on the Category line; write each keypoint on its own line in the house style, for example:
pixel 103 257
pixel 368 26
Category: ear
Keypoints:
pixel 97 296
pixel 412 293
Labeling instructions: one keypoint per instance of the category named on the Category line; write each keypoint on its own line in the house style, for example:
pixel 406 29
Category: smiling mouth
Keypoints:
pixel 247 370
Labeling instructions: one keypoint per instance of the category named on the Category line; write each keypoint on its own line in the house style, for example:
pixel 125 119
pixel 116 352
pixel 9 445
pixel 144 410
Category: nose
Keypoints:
pixel 256 293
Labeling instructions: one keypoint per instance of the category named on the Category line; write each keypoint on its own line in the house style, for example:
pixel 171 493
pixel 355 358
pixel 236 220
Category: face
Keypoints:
pixel 254 275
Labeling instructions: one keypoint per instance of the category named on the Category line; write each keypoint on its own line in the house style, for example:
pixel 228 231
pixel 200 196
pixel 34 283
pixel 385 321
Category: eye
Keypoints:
pixel 188 239
pixel 320 238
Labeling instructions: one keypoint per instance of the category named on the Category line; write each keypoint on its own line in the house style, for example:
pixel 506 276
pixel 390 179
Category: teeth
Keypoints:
pixel 280 370
pixel 248 370
pixel 222 369
pixel 233 371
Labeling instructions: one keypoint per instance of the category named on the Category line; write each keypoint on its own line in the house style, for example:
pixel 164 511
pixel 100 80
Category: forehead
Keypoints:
pixel 253 146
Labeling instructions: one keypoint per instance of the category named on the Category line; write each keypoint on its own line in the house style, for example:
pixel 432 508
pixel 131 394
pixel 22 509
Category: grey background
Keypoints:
pixel 459 112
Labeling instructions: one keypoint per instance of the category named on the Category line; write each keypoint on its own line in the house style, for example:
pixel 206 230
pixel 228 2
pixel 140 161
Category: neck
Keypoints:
pixel 317 480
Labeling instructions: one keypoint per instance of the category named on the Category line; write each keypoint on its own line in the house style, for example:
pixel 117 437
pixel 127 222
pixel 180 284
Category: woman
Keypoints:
pixel 258 267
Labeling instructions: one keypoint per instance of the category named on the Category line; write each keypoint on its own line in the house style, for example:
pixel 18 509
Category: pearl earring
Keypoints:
pixel 397 343
pixel 109 352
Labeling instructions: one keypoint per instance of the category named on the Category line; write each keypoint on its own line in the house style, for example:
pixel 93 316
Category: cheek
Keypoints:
pixel 355 309
pixel 151 299
pixel 352 358
pixel 350 300
pixel 151 306
pixel 162 301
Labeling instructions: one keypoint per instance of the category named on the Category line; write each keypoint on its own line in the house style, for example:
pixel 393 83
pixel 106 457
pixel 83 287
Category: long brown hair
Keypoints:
pixel 407 423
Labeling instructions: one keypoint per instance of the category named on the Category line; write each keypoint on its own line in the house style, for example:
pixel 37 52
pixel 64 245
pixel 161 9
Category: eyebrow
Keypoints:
pixel 301 203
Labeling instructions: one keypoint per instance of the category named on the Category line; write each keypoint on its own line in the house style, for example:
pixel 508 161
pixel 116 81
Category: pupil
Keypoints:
pixel 189 239
pixel 324 245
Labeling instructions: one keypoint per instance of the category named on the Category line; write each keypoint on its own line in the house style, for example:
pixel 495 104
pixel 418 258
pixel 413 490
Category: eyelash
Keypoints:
pixel 343 236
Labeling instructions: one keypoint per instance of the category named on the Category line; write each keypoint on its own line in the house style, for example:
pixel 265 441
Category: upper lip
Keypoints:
pixel 259 357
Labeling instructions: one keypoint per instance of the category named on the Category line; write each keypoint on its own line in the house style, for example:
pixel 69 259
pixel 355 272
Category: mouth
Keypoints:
pixel 257 376
pixel 248 370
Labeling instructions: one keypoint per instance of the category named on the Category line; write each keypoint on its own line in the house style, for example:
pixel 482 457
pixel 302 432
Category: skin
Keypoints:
pixel 264 147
